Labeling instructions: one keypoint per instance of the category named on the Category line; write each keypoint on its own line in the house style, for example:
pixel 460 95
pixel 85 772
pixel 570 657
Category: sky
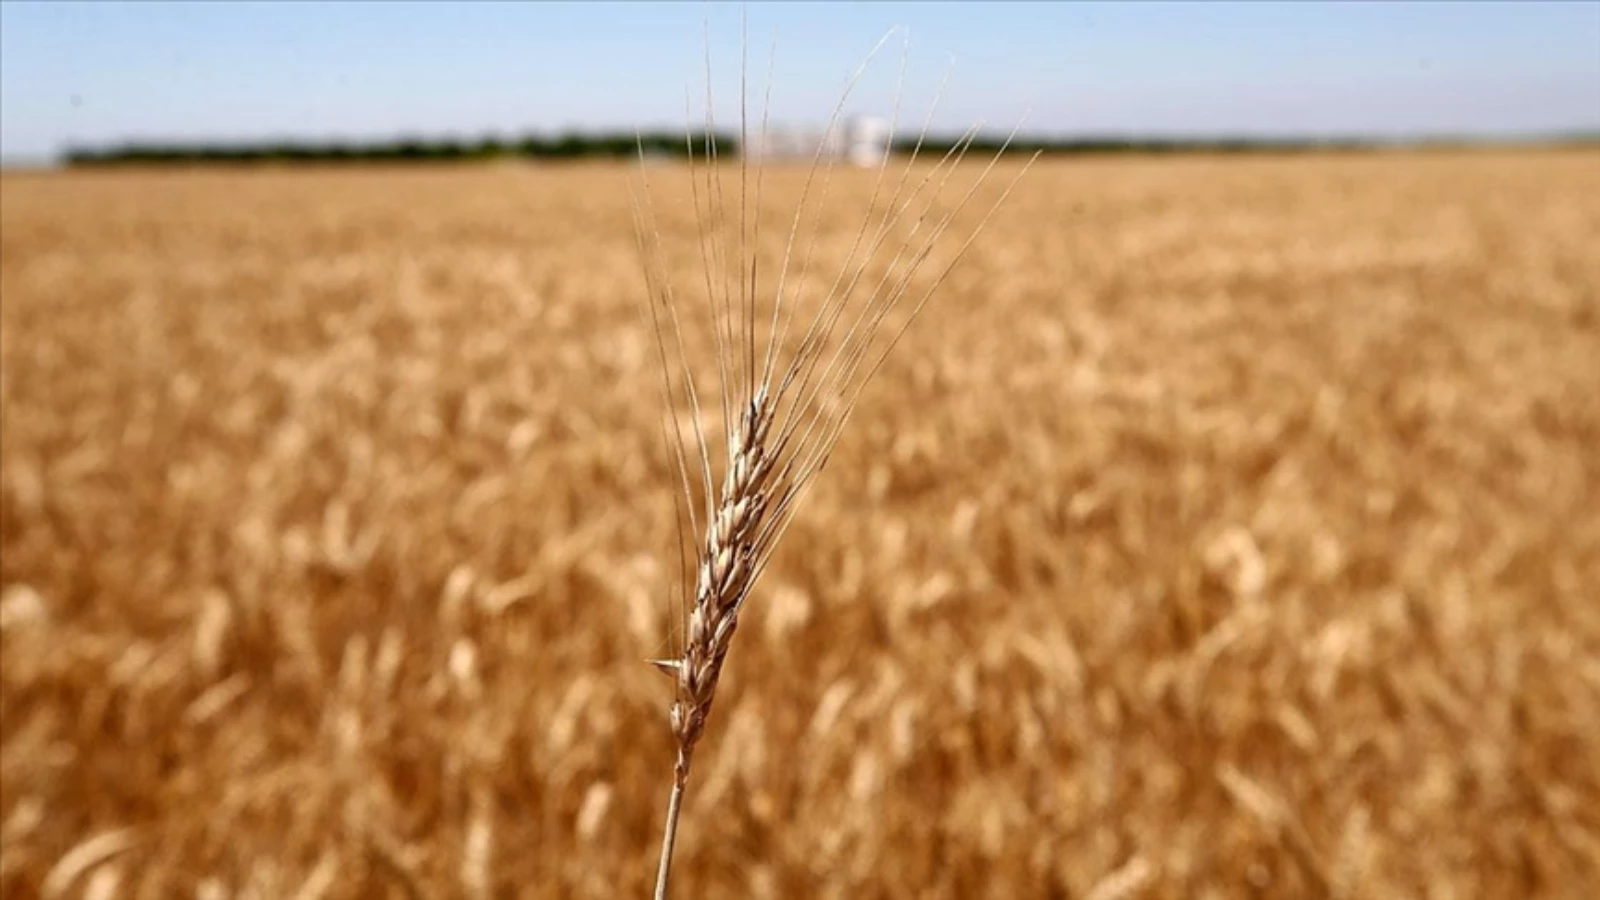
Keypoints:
pixel 101 72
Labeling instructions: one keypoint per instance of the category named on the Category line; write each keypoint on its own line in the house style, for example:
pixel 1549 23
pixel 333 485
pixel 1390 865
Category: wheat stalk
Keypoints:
pixel 782 410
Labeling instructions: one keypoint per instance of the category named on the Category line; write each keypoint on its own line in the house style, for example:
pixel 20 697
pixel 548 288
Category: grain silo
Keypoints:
pixel 867 141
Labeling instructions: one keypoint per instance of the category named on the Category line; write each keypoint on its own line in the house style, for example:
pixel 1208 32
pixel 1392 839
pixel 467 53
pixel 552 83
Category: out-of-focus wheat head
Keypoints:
pixel 790 361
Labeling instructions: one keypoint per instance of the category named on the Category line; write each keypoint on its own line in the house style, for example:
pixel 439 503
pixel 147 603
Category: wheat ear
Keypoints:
pixel 727 571
pixel 783 408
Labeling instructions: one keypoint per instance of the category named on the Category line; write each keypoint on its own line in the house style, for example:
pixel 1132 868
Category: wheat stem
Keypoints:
pixel 670 835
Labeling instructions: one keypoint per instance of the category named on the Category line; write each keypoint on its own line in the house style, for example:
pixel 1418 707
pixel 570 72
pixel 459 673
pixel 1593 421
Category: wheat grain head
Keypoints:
pixel 788 377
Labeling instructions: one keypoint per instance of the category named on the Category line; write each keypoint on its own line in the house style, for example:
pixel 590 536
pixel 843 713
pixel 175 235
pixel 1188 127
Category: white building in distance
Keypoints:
pixel 864 141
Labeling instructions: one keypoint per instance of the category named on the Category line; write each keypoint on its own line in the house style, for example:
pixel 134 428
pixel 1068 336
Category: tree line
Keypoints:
pixel 664 144
pixel 566 146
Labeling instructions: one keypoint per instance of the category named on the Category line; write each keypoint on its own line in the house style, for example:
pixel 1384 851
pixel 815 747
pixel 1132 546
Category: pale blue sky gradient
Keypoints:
pixel 93 73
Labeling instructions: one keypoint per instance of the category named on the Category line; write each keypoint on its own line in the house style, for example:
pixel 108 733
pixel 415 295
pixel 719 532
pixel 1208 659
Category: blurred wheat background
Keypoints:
pixel 1226 528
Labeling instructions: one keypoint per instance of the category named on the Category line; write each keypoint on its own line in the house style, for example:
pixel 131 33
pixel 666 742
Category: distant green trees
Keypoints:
pixel 573 145
pixel 989 144
pixel 564 146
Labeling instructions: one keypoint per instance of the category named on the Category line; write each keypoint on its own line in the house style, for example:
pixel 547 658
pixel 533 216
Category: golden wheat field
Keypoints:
pixel 1225 527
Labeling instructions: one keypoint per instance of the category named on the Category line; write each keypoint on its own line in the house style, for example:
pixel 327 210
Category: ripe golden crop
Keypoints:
pixel 1225 527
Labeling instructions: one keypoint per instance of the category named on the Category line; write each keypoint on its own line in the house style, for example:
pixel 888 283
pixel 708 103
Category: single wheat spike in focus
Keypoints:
pixel 790 365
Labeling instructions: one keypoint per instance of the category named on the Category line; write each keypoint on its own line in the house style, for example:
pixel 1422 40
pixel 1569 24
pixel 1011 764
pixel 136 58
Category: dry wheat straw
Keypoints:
pixel 782 408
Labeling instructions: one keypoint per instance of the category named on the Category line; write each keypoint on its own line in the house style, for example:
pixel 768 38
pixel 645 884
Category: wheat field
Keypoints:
pixel 1224 528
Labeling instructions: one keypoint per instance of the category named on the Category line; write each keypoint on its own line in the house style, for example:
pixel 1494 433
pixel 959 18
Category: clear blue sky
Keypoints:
pixel 101 71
